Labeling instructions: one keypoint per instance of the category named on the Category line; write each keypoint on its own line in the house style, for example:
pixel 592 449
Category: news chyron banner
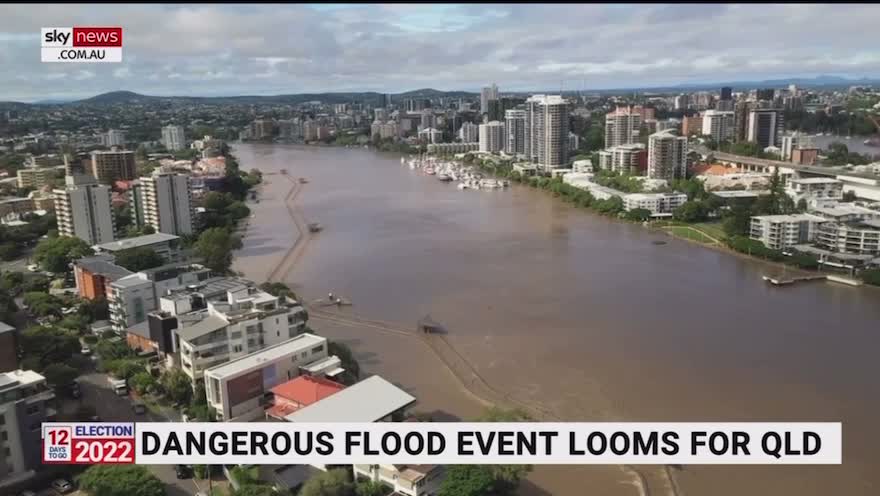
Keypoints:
pixel 156 443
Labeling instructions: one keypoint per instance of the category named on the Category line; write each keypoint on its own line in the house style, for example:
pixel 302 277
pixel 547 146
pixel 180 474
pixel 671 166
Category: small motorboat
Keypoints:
pixel 315 227
pixel 444 178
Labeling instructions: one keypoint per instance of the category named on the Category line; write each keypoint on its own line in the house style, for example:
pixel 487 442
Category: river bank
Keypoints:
pixel 579 314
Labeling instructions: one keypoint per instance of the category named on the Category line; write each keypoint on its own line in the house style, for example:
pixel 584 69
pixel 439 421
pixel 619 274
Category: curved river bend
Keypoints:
pixel 577 313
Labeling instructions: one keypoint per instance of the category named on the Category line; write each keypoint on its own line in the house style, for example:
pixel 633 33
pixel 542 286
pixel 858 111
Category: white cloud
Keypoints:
pixel 254 48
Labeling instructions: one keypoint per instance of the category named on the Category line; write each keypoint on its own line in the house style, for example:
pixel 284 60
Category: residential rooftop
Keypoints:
pixel 136 242
pixel 815 180
pixel 791 218
pixel 370 400
pixel 19 378
pixel 258 359
pixel 201 328
pixel 103 265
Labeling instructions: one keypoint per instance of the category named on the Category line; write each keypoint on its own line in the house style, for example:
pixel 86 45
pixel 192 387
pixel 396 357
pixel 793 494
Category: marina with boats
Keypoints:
pixel 467 177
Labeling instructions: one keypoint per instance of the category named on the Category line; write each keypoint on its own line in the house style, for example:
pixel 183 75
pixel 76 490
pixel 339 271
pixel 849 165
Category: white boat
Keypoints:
pixel 462 186
pixel 402 160
pixel 444 177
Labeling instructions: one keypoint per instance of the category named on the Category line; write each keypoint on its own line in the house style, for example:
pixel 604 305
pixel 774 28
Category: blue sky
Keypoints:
pixel 232 49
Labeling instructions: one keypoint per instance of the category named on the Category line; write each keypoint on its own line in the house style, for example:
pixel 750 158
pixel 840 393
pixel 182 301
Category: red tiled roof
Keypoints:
pixel 306 389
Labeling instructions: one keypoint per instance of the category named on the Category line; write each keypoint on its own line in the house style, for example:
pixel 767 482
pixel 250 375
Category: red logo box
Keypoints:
pixel 97 37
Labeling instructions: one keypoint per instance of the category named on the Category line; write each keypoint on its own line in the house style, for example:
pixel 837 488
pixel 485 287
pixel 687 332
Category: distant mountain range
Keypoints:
pixel 372 97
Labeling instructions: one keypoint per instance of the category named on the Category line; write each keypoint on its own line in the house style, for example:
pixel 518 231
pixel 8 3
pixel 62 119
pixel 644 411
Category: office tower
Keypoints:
pixel 487 93
pixel 741 110
pixel 495 110
pixel 765 94
pixel 163 200
pixel 492 137
pixel 83 210
pixel 667 156
pixel 113 165
pixel 469 132
pixel 173 138
pixel 720 125
pixel 680 102
pixel 113 137
pixel 765 127
pixel 622 126
pixel 386 100
pixel 428 119
pixel 515 132
pixel 547 131
pixel 726 93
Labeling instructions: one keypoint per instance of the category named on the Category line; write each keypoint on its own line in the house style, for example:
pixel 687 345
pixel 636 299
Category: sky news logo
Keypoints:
pixel 81 44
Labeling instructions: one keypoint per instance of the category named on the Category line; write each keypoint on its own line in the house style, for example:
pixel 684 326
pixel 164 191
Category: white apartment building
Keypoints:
pixel 667 156
pixel 445 148
pixel 237 389
pixel 626 159
pixel 83 210
pixel 814 189
pixel 247 320
pixel 719 124
pixel 165 245
pixel 487 93
pixel 859 238
pixel 173 137
pixel 660 204
pixel 113 137
pixel 779 232
pixel 622 127
pixel 469 133
pixel 431 135
pixel 37 177
pixel 163 200
pixel 546 131
pixel 515 132
pixel 26 401
pixel 492 137
pixel 408 480
pixel 765 127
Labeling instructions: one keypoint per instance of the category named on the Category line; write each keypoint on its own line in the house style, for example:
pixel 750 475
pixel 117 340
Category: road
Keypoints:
pixel 110 407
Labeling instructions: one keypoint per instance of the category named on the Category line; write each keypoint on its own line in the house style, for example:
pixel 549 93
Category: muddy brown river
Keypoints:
pixel 579 314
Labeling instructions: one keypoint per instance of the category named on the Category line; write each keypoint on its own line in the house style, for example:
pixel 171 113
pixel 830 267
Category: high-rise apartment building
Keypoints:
pixel 515 132
pixel 720 125
pixel 469 132
pixel 622 126
pixel 26 402
pixel 667 156
pixel 691 125
pixel 547 131
pixel 113 137
pixel 487 93
pixel 492 136
pixel 765 127
pixel 83 210
pixel 113 165
pixel 173 138
pixel 680 102
pixel 163 200
pixel 741 110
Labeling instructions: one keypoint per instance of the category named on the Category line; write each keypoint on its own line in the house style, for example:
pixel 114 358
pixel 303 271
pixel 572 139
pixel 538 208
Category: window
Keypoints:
pixel 291 332
pixel 4 436
pixel 317 349
pixel 236 348
pixel 304 354
pixel 2 420
pixel 32 409
pixel 6 452
pixel 235 335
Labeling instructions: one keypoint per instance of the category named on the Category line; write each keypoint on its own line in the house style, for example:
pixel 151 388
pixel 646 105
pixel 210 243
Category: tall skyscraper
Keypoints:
pixel 726 93
pixel 720 125
pixel 547 131
pixel 765 127
pixel 113 165
pixel 469 132
pixel 680 102
pixel 486 94
pixel 741 110
pixel 765 94
pixel 114 137
pixel 515 132
pixel 667 156
pixel 164 200
pixel 492 136
pixel 83 210
pixel 622 126
pixel 173 138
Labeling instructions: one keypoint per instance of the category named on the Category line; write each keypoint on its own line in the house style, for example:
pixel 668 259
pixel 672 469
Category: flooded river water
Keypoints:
pixel 574 312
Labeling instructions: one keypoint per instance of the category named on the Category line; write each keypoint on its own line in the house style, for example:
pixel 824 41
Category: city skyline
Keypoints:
pixel 268 50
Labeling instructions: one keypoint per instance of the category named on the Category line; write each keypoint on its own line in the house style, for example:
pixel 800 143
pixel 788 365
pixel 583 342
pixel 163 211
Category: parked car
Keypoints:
pixel 182 471
pixel 33 268
pixel 27 493
pixel 139 408
pixel 63 486
pixel 86 350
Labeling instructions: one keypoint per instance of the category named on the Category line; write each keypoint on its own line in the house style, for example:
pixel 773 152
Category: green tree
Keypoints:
pixel 346 356
pixel 278 289
pixel 371 488
pixel 691 211
pixel 139 258
pixel 237 211
pixel 335 482
pixel 871 276
pixel 737 221
pixel 467 480
pixel 256 490
pixel 638 214
pixel 43 304
pixel 117 480
pixel 9 251
pixel 142 382
pixel 55 254
pixel 215 247
pixel 94 310
pixel 47 345
pixel 124 368
pixel 109 351
pixel 59 374
pixel 177 385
